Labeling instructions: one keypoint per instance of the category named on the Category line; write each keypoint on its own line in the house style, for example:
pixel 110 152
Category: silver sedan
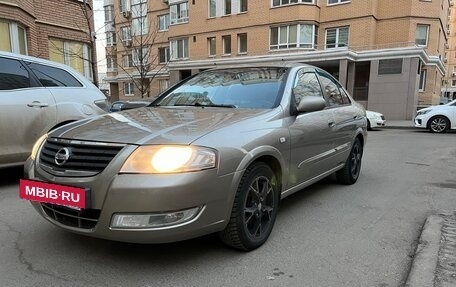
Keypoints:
pixel 215 153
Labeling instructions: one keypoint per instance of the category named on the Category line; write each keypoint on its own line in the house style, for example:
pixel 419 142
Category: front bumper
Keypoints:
pixel 420 122
pixel 113 193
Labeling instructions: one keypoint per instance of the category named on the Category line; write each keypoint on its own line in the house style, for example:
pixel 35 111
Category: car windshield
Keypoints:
pixel 254 88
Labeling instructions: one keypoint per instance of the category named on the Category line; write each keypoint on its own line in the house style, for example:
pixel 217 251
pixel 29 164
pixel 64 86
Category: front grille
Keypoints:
pixel 84 158
pixel 86 218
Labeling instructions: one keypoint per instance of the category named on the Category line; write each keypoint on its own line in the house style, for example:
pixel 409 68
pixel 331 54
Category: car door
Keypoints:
pixel 345 116
pixel 311 133
pixel 27 111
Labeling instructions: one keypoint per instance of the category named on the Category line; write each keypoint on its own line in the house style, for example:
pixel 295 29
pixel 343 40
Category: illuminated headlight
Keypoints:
pixel 37 145
pixel 153 220
pixel 169 159
pixel 419 113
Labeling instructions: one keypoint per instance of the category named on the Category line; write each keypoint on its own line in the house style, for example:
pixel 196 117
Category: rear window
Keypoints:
pixel 53 77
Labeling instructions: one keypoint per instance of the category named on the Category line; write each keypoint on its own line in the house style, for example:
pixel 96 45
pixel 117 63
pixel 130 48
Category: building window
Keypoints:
pixel 422 83
pixel 421 37
pixel 179 49
pixel 127 60
pixel 212 8
pixel 337 37
pixel 276 3
pixel 109 13
pixel 110 39
pixel 243 5
pixel 453 83
pixel 226 44
pixel 390 67
pixel 334 2
pixel 162 85
pixel 163 22
pixel 74 54
pixel 219 8
pixel 139 15
pixel 13 38
pixel 179 13
pixel 227 7
pixel 125 33
pixel 111 64
pixel 129 89
pixel 242 43
pixel 211 47
pixel 163 54
pixel 292 36
pixel 141 56
pixel 124 5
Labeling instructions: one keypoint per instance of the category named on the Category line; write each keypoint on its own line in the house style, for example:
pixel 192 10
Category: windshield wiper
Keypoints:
pixel 206 105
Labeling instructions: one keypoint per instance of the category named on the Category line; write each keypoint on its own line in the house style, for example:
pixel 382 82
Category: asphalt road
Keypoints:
pixel 326 235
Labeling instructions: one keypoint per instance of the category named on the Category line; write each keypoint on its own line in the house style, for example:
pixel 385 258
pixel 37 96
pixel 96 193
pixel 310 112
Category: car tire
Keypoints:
pixel 350 172
pixel 254 209
pixel 438 124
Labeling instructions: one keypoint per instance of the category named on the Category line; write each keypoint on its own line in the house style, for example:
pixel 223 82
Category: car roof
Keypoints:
pixel 278 64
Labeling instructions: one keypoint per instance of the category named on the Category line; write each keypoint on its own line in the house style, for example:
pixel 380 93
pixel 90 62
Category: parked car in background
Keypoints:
pixel 375 120
pixel 214 153
pixel 437 119
pixel 127 105
pixel 37 96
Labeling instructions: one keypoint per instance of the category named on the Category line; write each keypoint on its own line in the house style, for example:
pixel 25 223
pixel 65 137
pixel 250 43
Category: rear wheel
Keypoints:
pixel 350 172
pixel 254 209
pixel 439 124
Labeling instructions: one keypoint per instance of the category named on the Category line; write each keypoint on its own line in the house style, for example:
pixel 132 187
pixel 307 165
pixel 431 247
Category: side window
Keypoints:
pixel 344 96
pixel 53 77
pixel 13 75
pixel 331 90
pixel 306 84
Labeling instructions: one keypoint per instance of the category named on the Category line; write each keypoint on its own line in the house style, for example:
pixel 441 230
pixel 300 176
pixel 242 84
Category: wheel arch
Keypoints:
pixel 428 124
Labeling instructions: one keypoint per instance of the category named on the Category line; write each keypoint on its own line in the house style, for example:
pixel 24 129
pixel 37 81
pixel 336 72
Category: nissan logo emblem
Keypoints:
pixel 61 156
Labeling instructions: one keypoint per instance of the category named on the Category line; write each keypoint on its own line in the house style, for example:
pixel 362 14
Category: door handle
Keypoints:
pixel 37 105
pixel 331 124
pixel 357 117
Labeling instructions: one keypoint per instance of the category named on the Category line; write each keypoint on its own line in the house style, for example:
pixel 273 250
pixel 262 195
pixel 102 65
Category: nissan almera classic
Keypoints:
pixel 215 153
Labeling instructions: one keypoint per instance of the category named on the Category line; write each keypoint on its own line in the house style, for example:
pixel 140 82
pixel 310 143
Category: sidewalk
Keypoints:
pixel 434 264
pixel 396 124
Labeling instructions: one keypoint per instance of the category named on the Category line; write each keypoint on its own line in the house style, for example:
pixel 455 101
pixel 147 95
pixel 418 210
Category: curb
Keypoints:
pixel 424 265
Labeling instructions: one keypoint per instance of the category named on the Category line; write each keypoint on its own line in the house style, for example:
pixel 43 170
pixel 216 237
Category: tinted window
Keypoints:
pixel 53 77
pixel 13 75
pixel 345 97
pixel 306 84
pixel 331 90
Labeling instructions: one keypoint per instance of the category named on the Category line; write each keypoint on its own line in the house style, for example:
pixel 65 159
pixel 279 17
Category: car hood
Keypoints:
pixel 154 125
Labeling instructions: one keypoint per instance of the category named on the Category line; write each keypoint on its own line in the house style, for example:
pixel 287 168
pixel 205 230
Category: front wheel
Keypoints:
pixel 254 209
pixel 439 124
pixel 350 172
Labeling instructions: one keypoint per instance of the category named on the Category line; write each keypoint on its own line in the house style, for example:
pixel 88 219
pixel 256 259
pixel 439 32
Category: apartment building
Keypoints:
pixel 449 82
pixel 389 54
pixel 52 29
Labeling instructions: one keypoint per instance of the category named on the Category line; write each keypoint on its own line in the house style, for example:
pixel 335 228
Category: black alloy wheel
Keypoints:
pixel 350 172
pixel 254 209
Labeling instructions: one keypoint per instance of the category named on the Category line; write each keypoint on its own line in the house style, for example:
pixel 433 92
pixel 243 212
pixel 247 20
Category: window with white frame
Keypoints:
pixel 293 36
pixel 243 5
pixel 124 5
pixel 129 89
pixel 421 36
pixel 453 83
pixel 74 54
pixel 163 53
pixel 219 8
pixel 111 63
pixel 163 84
pixel 141 56
pixel 179 13
pixel 139 15
pixel 179 49
pixel 13 37
pixel 110 39
pixel 242 43
pixel 211 46
pixel 127 60
pixel 333 2
pixel 336 37
pixel 212 8
pixel 163 22
pixel 109 13
pixel 422 83
pixel 276 3
pixel 125 33
pixel 226 44
pixel 454 71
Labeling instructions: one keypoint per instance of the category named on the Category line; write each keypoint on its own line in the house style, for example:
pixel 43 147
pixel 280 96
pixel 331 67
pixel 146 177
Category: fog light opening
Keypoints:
pixel 153 220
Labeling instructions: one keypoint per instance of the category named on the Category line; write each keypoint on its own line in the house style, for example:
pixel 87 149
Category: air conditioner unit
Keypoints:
pixel 126 14
pixel 445 60
pixel 454 74
pixel 447 46
pixel 127 43
pixel 451 4
pixel 448 31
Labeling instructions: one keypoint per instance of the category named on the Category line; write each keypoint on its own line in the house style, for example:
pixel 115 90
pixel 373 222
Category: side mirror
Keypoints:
pixel 311 104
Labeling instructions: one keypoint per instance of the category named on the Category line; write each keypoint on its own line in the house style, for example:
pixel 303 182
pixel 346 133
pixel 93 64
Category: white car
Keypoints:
pixel 438 119
pixel 375 120
pixel 37 96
